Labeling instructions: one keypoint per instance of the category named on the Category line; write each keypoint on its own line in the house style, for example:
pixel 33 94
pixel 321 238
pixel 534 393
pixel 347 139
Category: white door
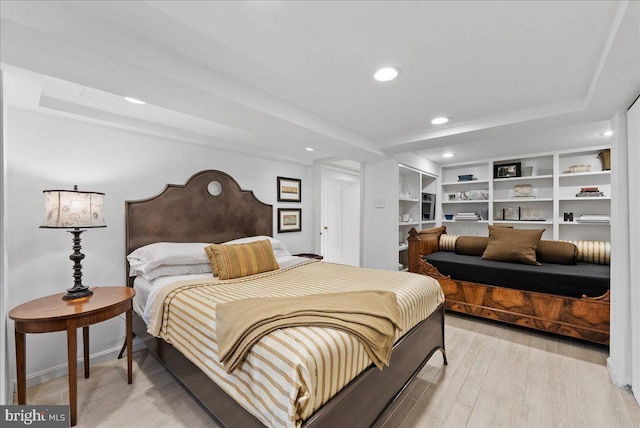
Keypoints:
pixel 332 221
pixel 340 218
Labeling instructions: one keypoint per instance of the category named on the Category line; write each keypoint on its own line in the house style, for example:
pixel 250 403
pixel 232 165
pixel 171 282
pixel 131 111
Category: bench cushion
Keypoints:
pixel 589 279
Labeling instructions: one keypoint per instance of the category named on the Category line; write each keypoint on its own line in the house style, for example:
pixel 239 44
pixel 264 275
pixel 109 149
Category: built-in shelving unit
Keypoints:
pixel 417 203
pixel 531 191
pixel 470 194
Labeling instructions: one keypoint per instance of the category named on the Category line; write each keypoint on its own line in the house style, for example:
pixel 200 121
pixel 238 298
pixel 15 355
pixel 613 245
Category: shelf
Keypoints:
pixel 400 198
pixel 528 177
pixel 522 222
pixel 459 183
pixel 522 200
pixel 467 202
pixel 402 247
pixel 408 223
pixel 577 223
pixel 584 174
pixel 587 198
pixel 466 221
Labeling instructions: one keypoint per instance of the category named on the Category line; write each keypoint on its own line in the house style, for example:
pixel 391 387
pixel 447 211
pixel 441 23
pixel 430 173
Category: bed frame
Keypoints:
pixel 189 213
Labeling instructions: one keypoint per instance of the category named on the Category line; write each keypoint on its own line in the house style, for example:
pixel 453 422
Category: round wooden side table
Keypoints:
pixel 51 313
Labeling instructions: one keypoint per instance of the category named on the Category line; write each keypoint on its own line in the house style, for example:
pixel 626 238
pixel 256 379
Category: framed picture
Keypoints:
pixel 507 170
pixel 289 189
pixel 289 220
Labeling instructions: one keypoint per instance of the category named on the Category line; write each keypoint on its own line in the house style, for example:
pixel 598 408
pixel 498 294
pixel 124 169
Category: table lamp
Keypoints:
pixel 76 210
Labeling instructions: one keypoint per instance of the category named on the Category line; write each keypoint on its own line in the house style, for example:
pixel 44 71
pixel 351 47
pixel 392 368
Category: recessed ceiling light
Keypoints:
pixel 607 133
pixel 439 120
pixel 448 155
pixel 309 149
pixel 134 100
pixel 386 74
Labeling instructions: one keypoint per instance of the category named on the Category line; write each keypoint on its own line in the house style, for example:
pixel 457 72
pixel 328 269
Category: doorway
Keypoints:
pixel 340 216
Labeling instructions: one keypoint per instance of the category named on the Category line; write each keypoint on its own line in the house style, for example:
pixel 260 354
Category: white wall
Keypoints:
pixel 418 162
pixel 49 152
pixel 624 362
pixel 633 135
pixel 619 361
pixel 379 242
pixel 4 373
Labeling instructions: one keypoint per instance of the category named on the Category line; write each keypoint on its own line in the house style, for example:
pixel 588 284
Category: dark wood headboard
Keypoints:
pixel 189 213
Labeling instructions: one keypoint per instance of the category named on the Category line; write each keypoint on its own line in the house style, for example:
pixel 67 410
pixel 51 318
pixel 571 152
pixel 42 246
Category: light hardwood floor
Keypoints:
pixel 498 376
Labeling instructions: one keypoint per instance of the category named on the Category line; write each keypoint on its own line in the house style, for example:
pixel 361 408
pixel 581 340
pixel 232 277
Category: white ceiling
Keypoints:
pixel 272 78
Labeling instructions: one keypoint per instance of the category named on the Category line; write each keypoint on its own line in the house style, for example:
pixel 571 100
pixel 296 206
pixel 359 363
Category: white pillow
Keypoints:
pixel 171 270
pixel 279 247
pixel 149 257
pixel 144 259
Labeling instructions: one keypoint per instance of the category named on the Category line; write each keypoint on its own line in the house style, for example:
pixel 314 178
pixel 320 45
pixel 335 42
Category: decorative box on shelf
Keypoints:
pixel 519 213
pixel 579 168
pixel 470 195
pixel 523 191
pixel 531 213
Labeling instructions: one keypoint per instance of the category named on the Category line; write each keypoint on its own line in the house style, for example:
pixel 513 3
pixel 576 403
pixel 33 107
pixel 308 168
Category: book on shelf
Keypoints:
pixel 594 218
pixel 589 195
pixel 589 192
pixel 467 216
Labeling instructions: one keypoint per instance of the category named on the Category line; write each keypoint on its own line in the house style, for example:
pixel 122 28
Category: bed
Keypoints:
pixel 212 208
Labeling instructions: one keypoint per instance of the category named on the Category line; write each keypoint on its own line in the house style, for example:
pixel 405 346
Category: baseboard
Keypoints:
pixel 61 370
pixel 12 388
pixel 623 383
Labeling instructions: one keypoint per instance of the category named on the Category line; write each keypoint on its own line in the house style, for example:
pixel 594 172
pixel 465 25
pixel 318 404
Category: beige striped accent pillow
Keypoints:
pixel 212 259
pixel 597 252
pixel 237 260
pixel 448 242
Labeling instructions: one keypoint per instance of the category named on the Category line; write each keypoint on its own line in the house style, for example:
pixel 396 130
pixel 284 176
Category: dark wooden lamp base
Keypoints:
pixel 78 289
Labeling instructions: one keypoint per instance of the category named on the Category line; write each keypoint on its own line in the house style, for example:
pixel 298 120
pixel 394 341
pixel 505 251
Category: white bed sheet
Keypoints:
pixel 142 287
pixel 146 290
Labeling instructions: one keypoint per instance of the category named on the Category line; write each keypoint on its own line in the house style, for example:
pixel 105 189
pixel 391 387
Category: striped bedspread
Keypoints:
pixel 289 373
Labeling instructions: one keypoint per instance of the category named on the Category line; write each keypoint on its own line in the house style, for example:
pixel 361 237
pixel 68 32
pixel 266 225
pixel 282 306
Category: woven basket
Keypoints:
pixel 605 157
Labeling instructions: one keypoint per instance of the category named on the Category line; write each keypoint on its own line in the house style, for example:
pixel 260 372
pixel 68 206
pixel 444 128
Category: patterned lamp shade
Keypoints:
pixel 73 209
